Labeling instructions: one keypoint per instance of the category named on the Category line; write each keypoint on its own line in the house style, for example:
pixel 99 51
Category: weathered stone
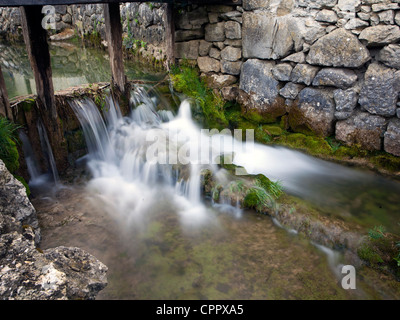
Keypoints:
pixel 234 43
pixel 145 15
pixel 215 81
pixel 391 140
pixel 198 17
pixel 397 18
pixel 215 53
pixel 379 92
pixel 231 67
pixel 380 35
pixel 186 35
pixel 282 71
pixel 362 128
pixel 386 17
pixel 291 90
pixel 303 73
pixel 340 78
pixel 187 50
pixel 385 6
pixel 204 48
pixel 339 48
pixel 346 102
pixel 257 79
pixel 349 5
pixel 364 16
pixel 215 32
pixel 230 93
pixel 355 23
pixel 298 57
pixel 255 4
pixel 326 16
pixel 233 30
pixel 231 53
pixel 398 112
pixel 314 112
pixel 268 37
pixel 207 64
pixel 213 17
pixel 390 56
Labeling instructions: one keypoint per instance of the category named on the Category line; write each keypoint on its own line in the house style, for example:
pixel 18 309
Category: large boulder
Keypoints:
pixel 340 48
pixel 392 137
pixel 380 89
pixel 363 129
pixel 314 112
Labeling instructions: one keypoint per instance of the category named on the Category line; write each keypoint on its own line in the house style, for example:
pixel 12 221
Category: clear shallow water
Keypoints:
pixel 72 64
pixel 148 223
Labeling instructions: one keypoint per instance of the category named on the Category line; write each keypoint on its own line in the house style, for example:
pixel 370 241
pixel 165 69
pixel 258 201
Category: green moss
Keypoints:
pixel 186 80
pixel 367 254
pixel 386 161
pixel 8 144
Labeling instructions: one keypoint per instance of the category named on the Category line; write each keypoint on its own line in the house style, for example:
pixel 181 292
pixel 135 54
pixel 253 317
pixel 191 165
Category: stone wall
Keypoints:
pixel 326 66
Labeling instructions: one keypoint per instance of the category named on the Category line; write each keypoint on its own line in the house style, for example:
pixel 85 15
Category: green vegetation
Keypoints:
pixel 8 144
pixel 210 105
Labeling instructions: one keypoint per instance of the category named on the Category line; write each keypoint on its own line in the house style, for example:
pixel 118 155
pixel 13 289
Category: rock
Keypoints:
pixel 355 24
pixel 186 35
pixel 390 56
pixel 398 112
pixel 349 5
pixel 215 53
pixel 340 48
pixel 230 93
pixel 268 37
pixel 362 128
pixel 231 53
pixel 215 32
pixel 379 91
pixel 234 43
pixel 207 64
pixel 282 71
pixel 298 57
pixel 386 17
pixel 231 67
pixel 187 50
pixel 27 273
pixel 391 140
pixel 340 78
pixel 197 17
pixel 346 102
pixel 385 6
pixel 14 203
pixel 380 35
pixel 220 80
pixel 327 16
pixel 233 30
pixel 257 79
pixel 204 48
pixel 291 90
pixel 145 15
pixel 314 111
pixel 64 35
pixel 303 73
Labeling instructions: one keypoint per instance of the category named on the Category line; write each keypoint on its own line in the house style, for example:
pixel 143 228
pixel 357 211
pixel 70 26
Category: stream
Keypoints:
pixel 136 204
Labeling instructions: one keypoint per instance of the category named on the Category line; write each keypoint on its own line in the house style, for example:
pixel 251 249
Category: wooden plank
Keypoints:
pixel 112 19
pixel 170 33
pixel 5 109
pixel 17 3
pixel 38 51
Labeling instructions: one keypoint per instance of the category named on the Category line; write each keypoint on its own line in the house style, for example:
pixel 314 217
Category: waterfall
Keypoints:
pixel 30 159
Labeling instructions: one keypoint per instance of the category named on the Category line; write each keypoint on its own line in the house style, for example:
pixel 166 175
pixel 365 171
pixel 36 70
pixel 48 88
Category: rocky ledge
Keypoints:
pixel 28 273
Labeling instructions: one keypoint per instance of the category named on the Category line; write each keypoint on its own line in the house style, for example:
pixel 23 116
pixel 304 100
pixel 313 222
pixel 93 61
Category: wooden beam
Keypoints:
pixel 5 109
pixel 112 19
pixel 38 51
pixel 170 33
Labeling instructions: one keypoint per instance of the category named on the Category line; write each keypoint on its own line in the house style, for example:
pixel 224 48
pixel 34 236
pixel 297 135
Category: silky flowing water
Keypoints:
pixel 147 220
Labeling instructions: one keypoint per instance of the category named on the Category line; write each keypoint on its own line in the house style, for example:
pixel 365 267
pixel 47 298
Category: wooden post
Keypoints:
pixel 170 34
pixel 38 51
pixel 112 19
pixel 5 109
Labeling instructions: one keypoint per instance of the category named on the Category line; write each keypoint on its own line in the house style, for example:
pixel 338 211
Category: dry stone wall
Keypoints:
pixel 329 66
